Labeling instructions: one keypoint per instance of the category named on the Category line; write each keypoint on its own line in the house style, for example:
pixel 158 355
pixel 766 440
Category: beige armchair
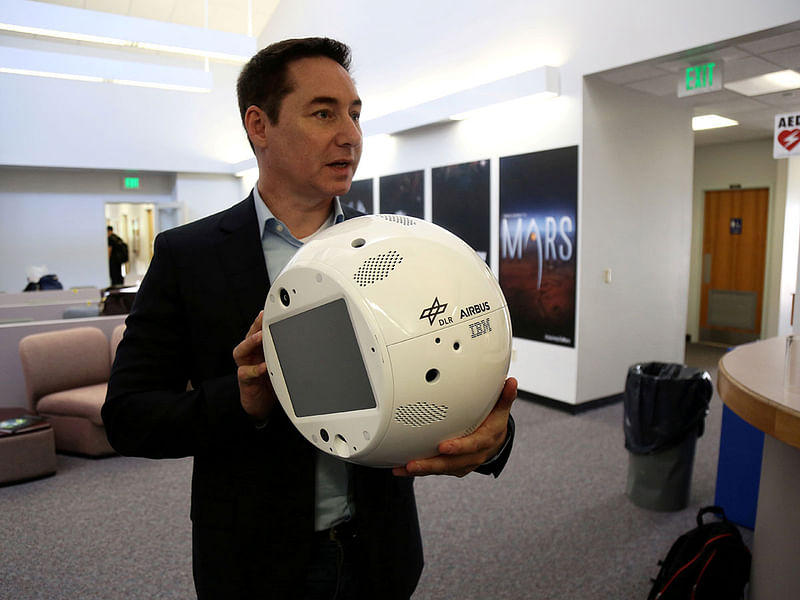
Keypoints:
pixel 66 376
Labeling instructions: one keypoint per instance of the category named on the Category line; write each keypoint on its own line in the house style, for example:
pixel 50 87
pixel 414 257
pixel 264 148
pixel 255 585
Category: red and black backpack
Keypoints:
pixel 710 561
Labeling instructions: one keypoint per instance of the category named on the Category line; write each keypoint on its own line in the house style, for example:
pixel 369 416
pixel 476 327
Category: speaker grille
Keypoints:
pixel 377 268
pixel 420 414
pixel 401 219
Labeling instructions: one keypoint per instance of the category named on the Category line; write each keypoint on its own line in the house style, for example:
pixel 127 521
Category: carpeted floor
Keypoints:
pixel 555 525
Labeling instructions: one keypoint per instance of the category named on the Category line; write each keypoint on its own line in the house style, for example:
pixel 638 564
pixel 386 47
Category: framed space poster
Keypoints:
pixel 359 197
pixel 538 243
pixel 403 194
pixel 460 198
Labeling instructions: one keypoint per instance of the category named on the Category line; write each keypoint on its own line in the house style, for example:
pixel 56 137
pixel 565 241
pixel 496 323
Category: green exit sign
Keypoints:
pixel 700 79
pixel 130 183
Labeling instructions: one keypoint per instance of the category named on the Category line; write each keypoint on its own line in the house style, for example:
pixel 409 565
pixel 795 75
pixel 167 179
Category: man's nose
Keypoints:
pixel 349 133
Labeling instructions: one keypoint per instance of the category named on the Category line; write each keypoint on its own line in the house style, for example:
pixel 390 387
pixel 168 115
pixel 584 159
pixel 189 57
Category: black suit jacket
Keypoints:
pixel 252 489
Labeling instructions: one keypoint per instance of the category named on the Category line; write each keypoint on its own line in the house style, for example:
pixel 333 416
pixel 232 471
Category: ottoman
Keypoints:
pixel 27 453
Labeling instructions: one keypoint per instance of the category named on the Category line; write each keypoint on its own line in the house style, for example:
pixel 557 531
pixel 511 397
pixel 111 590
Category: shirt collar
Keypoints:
pixel 265 214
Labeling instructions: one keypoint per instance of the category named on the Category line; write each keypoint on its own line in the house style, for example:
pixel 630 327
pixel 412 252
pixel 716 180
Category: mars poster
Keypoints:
pixel 359 197
pixel 460 199
pixel 403 194
pixel 538 243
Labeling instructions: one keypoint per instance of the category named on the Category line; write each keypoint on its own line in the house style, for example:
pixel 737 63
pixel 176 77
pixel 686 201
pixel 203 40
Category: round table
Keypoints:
pixel 750 383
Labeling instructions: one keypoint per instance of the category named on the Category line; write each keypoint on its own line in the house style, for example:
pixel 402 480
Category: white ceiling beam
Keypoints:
pixel 38 18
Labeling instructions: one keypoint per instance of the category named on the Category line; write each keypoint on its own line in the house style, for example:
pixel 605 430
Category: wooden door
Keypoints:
pixel 734 253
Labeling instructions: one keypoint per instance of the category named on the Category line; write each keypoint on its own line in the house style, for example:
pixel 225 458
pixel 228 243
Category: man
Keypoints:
pixel 116 248
pixel 272 516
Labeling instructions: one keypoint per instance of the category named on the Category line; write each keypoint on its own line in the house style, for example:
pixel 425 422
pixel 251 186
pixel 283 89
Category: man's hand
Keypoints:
pixel 255 388
pixel 463 455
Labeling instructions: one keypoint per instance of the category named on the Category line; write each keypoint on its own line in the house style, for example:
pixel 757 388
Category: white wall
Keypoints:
pixel 543 369
pixel 635 207
pixel 635 219
pixel 61 123
pixel 439 47
pixel 56 218
pixel 203 194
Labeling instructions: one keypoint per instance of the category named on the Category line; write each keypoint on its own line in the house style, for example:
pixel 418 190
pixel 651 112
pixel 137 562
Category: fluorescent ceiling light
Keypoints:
pixel 88 68
pixel 543 80
pixel 64 22
pixel 777 81
pixel 51 75
pixel 161 86
pixel 702 122
pixel 65 35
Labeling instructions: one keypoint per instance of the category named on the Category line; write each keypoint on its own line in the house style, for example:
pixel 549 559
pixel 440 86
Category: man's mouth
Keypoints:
pixel 340 164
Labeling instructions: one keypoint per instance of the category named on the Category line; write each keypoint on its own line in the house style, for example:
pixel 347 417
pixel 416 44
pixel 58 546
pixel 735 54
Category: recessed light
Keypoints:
pixel 769 83
pixel 702 122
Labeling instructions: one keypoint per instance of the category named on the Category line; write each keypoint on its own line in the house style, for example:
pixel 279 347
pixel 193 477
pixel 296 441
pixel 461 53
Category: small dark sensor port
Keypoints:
pixel 284 297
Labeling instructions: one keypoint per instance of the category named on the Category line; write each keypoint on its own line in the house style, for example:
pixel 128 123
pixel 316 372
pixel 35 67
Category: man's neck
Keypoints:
pixel 301 217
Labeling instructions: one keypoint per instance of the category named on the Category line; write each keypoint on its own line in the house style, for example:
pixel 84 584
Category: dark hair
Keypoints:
pixel 263 80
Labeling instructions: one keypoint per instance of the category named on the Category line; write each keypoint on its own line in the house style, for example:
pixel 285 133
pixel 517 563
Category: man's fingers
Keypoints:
pixel 257 324
pixel 508 395
pixel 249 348
pixel 439 465
pixel 248 373
pixel 495 424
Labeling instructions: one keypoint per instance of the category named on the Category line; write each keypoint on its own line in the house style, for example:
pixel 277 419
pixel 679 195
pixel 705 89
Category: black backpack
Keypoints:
pixel 710 561
pixel 119 249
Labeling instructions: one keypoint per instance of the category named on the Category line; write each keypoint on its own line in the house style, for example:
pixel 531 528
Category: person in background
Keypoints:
pixel 116 249
pixel 272 516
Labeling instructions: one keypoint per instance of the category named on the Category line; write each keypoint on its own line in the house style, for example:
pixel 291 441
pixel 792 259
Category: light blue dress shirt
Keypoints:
pixel 332 474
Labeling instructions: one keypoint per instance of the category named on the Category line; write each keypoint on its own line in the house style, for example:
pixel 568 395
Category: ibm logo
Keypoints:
pixel 480 328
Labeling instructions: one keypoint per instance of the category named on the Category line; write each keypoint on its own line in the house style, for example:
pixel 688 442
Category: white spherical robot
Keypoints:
pixel 384 336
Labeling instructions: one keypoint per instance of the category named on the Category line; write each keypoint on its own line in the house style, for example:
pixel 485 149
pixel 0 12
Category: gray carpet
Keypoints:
pixel 555 525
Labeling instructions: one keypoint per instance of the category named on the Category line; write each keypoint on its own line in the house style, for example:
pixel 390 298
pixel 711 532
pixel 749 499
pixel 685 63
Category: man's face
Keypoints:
pixel 314 149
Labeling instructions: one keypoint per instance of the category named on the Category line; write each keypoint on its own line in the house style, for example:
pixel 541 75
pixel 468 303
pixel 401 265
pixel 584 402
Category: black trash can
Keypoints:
pixel 665 409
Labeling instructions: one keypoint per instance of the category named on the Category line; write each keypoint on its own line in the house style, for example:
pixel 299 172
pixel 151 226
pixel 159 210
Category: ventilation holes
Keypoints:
pixel 377 268
pixel 420 414
pixel 401 219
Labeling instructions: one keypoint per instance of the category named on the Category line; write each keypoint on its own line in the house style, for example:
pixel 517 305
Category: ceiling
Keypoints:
pixel 747 56
pixel 223 15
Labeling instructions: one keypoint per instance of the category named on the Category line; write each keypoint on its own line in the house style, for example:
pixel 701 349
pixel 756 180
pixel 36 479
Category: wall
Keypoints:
pixel 62 123
pixel 448 45
pixel 749 164
pixel 204 194
pixel 56 218
pixel 636 218
pixel 543 369
pixel 630 200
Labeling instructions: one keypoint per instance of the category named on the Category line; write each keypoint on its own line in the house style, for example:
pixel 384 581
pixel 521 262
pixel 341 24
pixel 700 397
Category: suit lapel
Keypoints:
pixel 242 259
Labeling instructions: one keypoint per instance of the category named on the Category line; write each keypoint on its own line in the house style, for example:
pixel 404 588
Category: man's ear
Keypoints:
pixel 255 123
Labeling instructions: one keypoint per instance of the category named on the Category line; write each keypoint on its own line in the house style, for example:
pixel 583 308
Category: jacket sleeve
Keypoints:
pixel 495 465
pixel 173 390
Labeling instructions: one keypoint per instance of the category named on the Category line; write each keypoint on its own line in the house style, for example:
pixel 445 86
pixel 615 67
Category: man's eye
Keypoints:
pixel 356 117
pixel 323 114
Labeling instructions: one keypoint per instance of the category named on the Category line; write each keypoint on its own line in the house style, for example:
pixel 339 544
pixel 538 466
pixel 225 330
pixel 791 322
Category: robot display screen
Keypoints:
pixel 321 361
